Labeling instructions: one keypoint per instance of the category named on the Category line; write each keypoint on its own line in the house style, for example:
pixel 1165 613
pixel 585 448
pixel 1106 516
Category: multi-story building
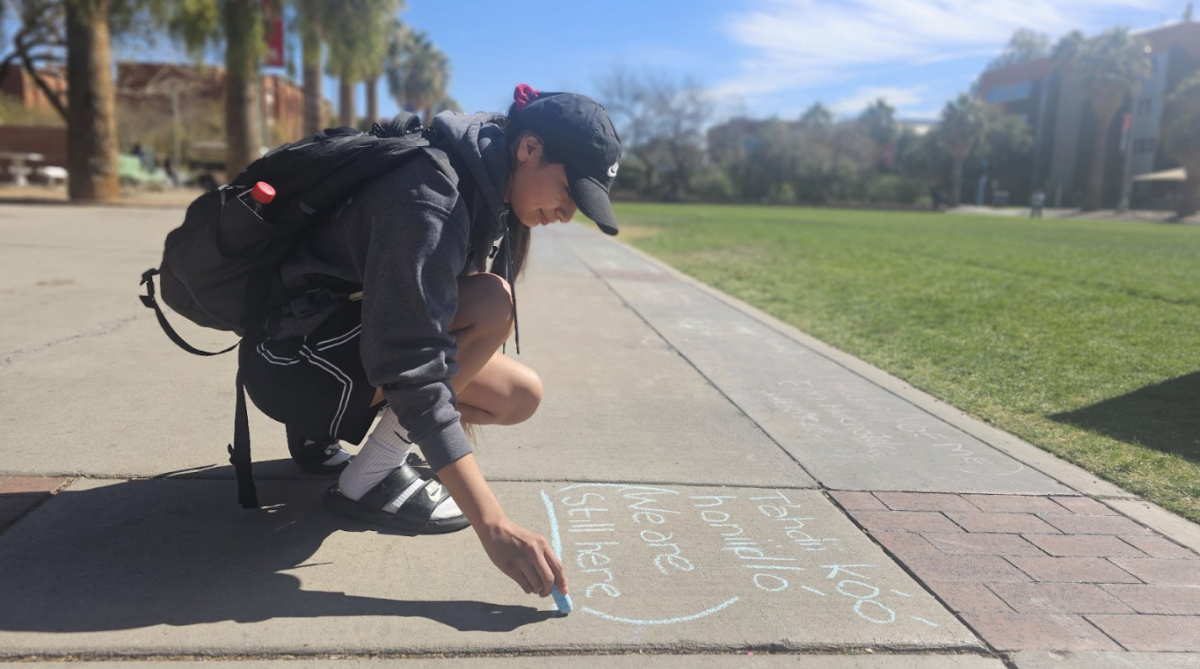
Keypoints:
pixel 1060 119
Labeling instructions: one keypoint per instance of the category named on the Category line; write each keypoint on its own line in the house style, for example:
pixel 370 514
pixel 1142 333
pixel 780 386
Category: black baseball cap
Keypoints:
pixel 578 133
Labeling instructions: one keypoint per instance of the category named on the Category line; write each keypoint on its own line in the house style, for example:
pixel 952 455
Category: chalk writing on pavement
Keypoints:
pixel 628 546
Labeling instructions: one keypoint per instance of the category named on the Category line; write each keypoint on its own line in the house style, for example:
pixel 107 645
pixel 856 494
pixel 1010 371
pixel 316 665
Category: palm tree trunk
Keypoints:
pixel 91 104
pixel 1093 198
pixel 241 71
pixel 311 46
pixel 312 100
pixel 345 102
pixel 372 85
pixel 1189 192
pixel 956 168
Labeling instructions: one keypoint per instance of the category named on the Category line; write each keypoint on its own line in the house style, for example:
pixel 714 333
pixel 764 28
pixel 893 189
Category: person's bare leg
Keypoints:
pixel 504 392
pixel 482 323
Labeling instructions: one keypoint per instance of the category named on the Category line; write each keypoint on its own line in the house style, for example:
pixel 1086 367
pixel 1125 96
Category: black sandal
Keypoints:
pixel 413 515
pixel 319 457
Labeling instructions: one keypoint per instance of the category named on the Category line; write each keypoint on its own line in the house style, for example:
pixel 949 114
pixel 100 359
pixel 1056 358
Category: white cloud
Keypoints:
pixel 797 44
pixel 899 97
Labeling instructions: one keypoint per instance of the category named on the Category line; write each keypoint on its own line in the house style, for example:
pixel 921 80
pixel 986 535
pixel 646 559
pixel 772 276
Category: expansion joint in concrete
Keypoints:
pixel 99 331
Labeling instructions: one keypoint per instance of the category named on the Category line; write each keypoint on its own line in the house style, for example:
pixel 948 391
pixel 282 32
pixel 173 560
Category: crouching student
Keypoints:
pixel 390 312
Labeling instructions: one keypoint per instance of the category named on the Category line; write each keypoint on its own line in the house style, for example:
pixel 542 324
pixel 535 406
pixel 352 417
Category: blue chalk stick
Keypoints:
pixel 562 601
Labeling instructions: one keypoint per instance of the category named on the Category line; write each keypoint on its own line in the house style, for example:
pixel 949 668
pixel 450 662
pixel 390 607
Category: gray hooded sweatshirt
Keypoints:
pixel 404 239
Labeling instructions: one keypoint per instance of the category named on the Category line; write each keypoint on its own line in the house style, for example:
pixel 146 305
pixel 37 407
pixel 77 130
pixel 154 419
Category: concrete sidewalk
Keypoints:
pixel 720 487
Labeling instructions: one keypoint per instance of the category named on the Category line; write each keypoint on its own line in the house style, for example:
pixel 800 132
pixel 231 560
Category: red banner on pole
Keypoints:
pixel 1126 125
pixel 273 32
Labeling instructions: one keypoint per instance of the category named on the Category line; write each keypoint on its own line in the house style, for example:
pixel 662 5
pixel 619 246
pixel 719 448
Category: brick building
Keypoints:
pixel 195 94
pixel 19 86
pixel 150 98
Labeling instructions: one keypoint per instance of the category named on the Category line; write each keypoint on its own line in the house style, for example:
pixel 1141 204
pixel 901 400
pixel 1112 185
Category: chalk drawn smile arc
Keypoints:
pixel 666 621
pixel 556 543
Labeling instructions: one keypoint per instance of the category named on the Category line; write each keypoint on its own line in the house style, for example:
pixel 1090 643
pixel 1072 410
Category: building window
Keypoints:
pixel 1002 94
pixel 1143 145
pixel 1145 105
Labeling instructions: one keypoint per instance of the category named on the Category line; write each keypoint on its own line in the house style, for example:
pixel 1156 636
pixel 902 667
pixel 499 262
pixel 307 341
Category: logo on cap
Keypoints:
pixel 612 171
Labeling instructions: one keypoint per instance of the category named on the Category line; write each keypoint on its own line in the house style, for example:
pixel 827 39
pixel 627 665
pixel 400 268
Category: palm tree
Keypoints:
pixel 356 32
pixel 1109 68
pixel 341 29
pixel 373 50
pixel 238 23
pixel 243 46
pixel 308 12
pixel 91 104
pixel 418 73
pixel 963 124
pixel 1181 139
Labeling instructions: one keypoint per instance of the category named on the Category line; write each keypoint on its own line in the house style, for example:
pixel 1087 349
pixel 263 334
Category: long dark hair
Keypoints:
pixel 519 233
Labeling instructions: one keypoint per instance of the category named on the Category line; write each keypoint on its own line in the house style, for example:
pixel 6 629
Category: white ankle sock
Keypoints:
pixel 386 449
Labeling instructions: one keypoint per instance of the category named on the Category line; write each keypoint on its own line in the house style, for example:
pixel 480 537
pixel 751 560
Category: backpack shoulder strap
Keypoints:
pixel 149 301
pixel 401 124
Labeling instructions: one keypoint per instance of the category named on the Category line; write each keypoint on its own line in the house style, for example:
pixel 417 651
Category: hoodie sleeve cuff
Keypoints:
pixel 445 446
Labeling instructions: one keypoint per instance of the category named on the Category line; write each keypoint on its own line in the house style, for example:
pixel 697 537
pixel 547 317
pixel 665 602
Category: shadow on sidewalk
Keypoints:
pixel 181 552
pixel 1164 416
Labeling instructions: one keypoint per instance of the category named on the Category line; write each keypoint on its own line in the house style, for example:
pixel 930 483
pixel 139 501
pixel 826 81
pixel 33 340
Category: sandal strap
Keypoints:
pixel 420 503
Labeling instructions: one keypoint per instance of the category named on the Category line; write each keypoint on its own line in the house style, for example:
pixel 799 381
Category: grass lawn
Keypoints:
pixel 1081 337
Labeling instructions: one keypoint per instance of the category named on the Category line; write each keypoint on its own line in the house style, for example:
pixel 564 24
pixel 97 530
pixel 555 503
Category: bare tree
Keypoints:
pixel 662 123
pixel 38 41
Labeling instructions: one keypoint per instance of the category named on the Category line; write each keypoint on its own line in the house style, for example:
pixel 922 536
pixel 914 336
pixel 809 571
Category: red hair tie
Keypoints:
pixel 524 94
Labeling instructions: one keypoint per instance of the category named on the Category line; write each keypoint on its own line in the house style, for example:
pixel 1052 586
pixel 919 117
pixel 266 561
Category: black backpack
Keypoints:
pixel 218 266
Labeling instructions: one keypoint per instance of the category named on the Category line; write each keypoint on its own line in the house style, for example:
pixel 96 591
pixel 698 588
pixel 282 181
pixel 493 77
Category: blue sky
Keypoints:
pixel 758 57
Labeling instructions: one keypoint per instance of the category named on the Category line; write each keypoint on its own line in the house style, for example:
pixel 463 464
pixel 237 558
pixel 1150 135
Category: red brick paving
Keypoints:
pixel 981 544
pixel 905 521
pixel 1168 599
pixel 1072 570
pixel 858 501
pixel 1007 523
pixel 1162 572
pixel 1023 631
pixel 1101 545
pixel 19 494
pixel 1045 572
pixel 965 569
pixel 913 501
pixel 969 597
pixel 1152 633
pixel 1070 524
pixel 1083 506
pixel 1058 598
pixel 1013 504
pixel 1159 547
pixel 907 543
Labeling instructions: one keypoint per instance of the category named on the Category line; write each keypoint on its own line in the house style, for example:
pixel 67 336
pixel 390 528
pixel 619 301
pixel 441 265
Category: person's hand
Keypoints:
pixel 524 556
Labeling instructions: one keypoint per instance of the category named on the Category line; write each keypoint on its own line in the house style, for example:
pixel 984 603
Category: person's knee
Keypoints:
pixel 525 399
pixel 487 299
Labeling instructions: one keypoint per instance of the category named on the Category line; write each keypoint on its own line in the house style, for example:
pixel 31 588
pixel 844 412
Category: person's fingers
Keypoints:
pixel 518 575
pixel 560 574
pixel 544 570
pixel 535 581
